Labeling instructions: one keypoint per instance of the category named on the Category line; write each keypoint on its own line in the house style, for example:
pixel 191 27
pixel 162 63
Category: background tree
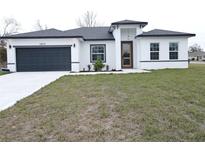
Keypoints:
pixel 88 19
pixel 9 26
pixel 195 48
pixel 40 26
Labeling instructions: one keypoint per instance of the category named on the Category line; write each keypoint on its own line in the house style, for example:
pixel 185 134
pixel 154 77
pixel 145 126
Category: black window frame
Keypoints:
pixel 154 51
pixel 173 53
pixel 154 55
pixel 155 48
pixel 91 59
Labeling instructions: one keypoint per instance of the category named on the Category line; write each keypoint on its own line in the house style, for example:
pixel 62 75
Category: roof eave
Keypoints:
pixel 117 24
pixel 167 35
pixel 105 39
pixel 130 23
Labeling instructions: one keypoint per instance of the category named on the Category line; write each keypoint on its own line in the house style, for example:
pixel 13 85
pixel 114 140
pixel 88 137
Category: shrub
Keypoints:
pixel 3 56
pixel 98 65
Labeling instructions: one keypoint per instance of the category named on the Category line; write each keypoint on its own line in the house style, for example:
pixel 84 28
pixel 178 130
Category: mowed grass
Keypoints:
pixel 165 105
pixel 2 73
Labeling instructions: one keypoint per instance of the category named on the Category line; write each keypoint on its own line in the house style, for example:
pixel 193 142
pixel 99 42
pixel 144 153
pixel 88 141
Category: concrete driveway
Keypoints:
pixel 15 86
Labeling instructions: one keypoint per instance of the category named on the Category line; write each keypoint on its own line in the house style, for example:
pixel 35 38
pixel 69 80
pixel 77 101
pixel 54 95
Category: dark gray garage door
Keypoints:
pixel 43 59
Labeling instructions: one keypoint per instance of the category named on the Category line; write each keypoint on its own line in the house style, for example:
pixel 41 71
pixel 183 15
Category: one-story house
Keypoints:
pixel 198 56
pixel 122 45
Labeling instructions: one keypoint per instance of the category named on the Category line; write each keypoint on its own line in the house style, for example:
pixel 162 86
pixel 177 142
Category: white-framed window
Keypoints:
pixel 173 50
pixel 97 51
pixel 154 51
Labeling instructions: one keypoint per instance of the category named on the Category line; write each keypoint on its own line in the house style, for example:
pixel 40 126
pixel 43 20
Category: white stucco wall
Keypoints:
pixel 85 54
pixel 11 52
pixel 137 27
pixel 164 61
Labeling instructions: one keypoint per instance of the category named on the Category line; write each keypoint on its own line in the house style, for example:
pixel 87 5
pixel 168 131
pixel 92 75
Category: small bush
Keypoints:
pixel 3 56
pixel 98 65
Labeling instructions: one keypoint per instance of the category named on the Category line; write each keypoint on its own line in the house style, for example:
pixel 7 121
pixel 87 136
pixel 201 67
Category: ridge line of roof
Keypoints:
pixel 85 27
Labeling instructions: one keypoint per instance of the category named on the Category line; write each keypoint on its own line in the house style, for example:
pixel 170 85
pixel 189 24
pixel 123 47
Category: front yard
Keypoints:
pixel 165 105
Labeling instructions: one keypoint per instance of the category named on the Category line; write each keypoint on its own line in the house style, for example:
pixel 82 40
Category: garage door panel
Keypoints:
pixel 43 59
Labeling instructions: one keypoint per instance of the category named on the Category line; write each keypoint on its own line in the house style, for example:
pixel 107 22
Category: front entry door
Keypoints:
pixel 127 54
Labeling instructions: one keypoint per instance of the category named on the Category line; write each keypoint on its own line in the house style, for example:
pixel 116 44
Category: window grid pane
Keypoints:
pixel 173 46
pixel 97 52
pixel 154 55
pixel 173 55
pixel 154 46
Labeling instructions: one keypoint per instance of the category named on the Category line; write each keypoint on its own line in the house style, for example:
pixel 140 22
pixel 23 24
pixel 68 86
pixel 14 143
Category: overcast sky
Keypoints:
pixel 179 15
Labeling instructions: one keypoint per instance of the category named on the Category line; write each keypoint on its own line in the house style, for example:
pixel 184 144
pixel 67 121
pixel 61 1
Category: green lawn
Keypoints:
pixel 2 73
pixel 165 105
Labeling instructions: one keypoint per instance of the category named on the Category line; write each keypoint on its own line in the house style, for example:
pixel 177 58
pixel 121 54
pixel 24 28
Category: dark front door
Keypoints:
pixel 43 59
pixel 127 54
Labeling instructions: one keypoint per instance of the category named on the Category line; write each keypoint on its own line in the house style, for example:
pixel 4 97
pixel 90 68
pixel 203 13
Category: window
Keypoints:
pixel 154 51
pixel 97 51
pixel 154 46
pixel 173 55
pixel 173 46
pixel 154 55
pixel 173 50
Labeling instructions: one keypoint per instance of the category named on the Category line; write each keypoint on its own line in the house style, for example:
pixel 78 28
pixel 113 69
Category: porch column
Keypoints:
pixel 75 56
pixel 11 57
pixel 118 49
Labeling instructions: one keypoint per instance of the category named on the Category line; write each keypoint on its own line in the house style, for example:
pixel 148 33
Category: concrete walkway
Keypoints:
pixel 197 62
pixel 15 86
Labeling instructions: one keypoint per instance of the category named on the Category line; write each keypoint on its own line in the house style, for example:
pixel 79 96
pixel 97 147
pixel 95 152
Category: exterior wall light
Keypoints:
pixel 74 45
pixel 9 46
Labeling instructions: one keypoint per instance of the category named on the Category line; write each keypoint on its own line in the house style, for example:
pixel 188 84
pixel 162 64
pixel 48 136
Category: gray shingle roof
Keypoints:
pixel 87 33
pixel 160 33
pixel 128 22
pixel 38 34
pixel 91 33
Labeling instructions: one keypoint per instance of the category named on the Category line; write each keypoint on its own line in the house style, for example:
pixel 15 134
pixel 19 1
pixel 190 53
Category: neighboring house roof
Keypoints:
pixel 129 22
pixel 86 33
pixel 195 54
pixel 162 33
